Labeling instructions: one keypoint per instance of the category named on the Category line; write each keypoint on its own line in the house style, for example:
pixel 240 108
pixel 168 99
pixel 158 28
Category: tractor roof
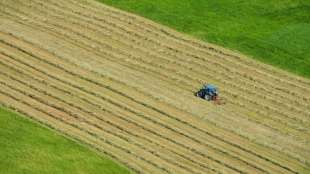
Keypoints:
pixel 210 86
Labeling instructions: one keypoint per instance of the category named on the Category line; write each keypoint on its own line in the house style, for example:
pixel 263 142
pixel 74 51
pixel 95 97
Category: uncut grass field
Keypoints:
pixel 27 147
pixel 272 31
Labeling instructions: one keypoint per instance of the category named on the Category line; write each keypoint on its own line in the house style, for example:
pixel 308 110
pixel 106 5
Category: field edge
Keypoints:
pixel 70 139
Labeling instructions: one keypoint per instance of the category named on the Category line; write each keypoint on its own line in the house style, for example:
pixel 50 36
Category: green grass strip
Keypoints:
pixel 27 147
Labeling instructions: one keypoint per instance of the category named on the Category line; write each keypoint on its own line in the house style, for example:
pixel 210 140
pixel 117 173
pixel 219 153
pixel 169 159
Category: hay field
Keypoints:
pixel 124 85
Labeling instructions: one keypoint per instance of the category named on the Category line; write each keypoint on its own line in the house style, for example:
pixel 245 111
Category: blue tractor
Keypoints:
pixel 208 92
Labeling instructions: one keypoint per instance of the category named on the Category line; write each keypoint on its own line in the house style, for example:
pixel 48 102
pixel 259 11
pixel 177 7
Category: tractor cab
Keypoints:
pixel 208 92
